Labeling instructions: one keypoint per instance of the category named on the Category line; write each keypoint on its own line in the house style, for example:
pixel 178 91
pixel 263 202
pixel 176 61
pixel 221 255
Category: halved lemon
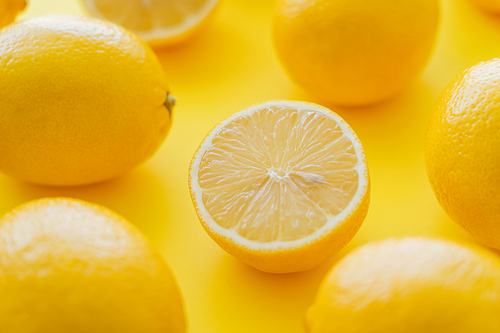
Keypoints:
pixel 281 186
pixel 158 22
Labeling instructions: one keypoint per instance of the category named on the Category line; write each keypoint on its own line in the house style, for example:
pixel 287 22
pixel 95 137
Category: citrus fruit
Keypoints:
pixel 159 22
pixel 9 9
pixel 81 100
pixel 354 52
pixel 409 285
pixel 492 6
pixel 462 151
pixel 71 266
pixel 281 186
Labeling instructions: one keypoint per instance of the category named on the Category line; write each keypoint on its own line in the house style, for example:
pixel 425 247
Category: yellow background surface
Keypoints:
pixel 230 66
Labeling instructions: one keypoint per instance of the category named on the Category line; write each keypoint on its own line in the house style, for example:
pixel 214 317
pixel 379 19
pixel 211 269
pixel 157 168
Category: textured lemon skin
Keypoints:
pixel 409 285
pixel 9 9
pixel 71 266
pixel 291 259
pixel 354 52
pixel 81 101
pixel 492 6
pixel 462 151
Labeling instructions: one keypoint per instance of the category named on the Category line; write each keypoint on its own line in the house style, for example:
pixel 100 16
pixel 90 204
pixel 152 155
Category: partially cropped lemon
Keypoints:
pixel 81 100
pixel 9 9
pixel 354 52
pixel 410 285
pixel 492 6
pixel 281 186
pixel 71 266
pixel 158 22
pixel 462 151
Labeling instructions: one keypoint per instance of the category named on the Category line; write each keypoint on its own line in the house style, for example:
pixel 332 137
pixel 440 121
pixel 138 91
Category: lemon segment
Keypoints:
pixel 155 21
pixel 278 176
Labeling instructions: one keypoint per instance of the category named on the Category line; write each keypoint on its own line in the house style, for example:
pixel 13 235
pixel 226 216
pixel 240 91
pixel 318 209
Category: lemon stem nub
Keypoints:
pixel 170 103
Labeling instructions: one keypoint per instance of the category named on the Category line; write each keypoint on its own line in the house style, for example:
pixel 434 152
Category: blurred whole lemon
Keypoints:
pixel 71 266
pixel 9 10
pixel 354 52
pixel 409 285
pixel 81 100
pixel 462 151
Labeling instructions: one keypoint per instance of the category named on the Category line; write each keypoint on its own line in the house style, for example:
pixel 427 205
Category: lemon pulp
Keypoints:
pixel 278 174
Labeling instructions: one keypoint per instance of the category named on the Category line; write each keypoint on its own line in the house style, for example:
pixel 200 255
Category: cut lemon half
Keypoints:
pixel 158 22
pixel 281 186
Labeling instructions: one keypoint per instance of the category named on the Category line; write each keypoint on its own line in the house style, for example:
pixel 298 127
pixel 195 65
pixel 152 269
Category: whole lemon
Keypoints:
pixel 462 151
pixel 407 286
pixel 81 100
pixel 354 52
pixel 9 9
pixel 71 266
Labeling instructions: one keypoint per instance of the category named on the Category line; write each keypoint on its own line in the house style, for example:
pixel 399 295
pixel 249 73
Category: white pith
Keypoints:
pixel 332 221
pixel 189 22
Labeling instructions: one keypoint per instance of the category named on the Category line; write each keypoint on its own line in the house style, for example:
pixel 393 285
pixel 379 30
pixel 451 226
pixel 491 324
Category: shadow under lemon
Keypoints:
pixel 138 196
pixel 286 296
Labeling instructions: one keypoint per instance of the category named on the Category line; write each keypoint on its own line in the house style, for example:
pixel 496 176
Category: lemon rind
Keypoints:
pixel 332 222
pixel 190 22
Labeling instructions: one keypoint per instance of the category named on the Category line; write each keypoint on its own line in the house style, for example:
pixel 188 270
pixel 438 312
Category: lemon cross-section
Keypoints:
pixel 158 22
pixel 278 177
pixel 278 174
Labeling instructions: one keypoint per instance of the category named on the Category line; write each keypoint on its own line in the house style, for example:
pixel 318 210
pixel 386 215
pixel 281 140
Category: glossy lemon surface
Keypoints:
pixel 71 266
